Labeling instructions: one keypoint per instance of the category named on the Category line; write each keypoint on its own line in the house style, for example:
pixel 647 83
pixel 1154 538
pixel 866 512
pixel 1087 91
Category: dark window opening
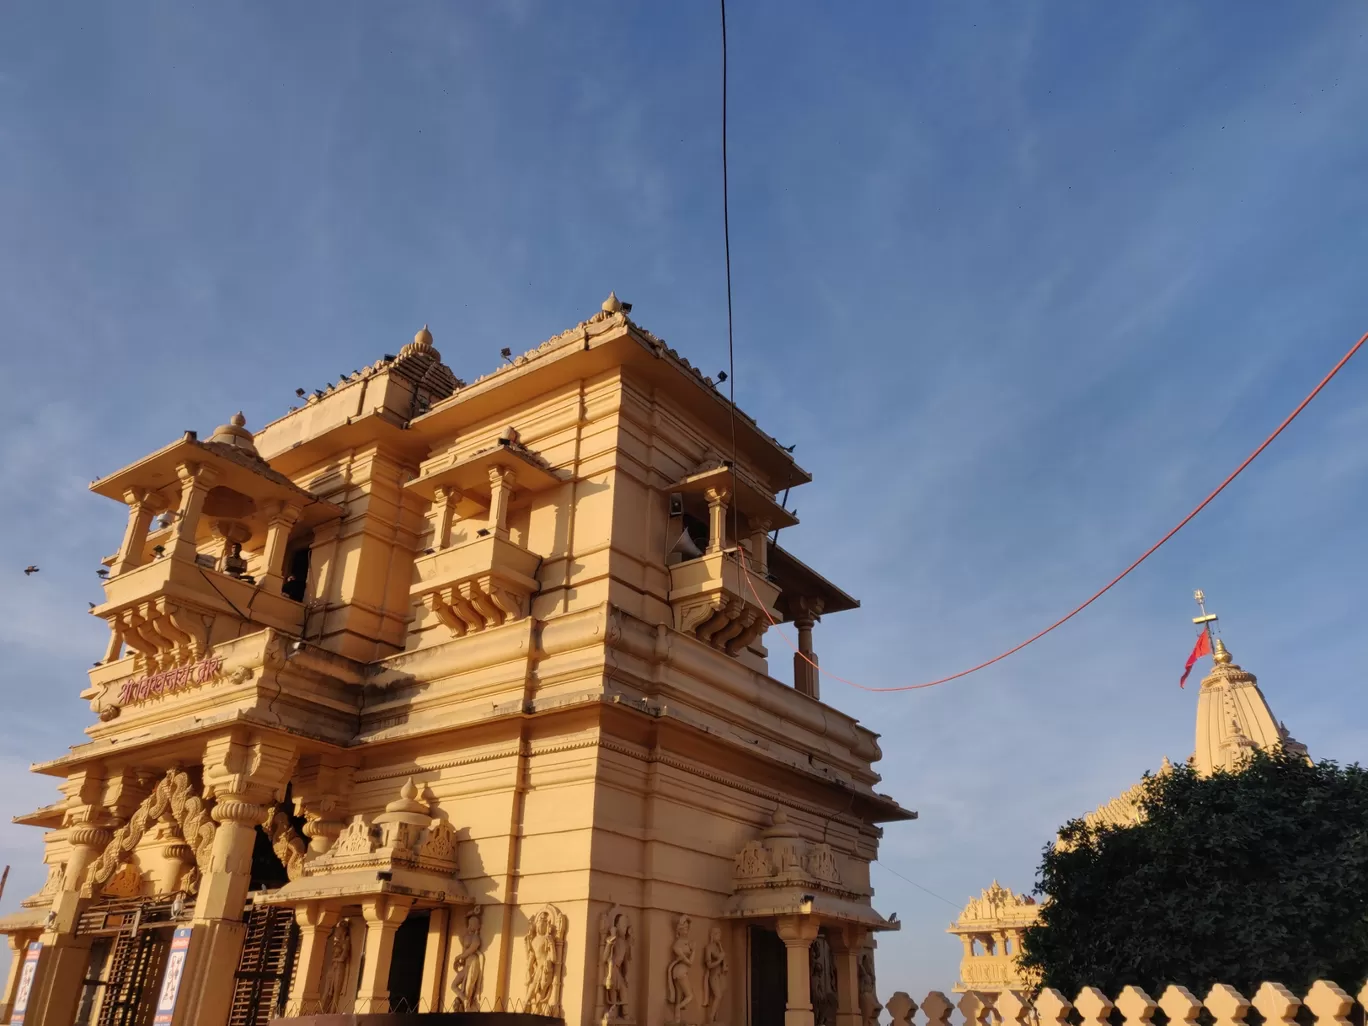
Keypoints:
pixel 406 967
pixel 297 572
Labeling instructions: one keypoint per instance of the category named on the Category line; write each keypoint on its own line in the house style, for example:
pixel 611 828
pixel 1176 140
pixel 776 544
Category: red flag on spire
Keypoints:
pixel 1203 647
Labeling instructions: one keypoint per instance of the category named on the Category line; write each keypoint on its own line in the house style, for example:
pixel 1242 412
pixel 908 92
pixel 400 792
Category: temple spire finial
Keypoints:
pixel 1205 621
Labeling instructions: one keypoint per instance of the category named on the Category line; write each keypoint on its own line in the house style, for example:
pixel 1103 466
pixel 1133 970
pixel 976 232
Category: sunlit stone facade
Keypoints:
pixel 442 697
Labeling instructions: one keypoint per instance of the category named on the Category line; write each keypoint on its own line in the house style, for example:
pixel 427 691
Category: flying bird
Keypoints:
pixel 30 570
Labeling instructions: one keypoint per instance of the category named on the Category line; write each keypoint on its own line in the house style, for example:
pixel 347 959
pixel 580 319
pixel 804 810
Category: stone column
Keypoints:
pixel 759 545
pixel 846 945
pixel 244 774
pixel 62 965
pixel 500 495
pixel 798 933
pixel 196 480
pixel 57 984
pixel 18 944
pixel 806 679
pixel 315 926
pixel 277 535
pixel 135 535
pixel 717 518
pixel 443 515
pixel 434 960
pixel 383 916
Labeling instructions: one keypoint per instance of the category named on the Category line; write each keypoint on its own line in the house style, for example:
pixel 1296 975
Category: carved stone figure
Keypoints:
pixel 56 879
pixel 823 967
pixel 714 974
pixel 467 968
pixel 678 989
pixel 339 960
pixel 545 961
pixel 869 1001
pixel 287 843
pixel 615 958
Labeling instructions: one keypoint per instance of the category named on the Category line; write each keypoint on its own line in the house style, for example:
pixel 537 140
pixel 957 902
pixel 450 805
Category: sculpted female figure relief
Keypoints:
pixel 714 974
pixel 467 968
pixel 335 976
pixel 678 989
pixel 615 956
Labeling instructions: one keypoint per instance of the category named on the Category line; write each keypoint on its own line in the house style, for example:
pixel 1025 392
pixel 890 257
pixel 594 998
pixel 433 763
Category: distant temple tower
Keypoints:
pixel 990 927
pixel 433 697
pixel 1233 719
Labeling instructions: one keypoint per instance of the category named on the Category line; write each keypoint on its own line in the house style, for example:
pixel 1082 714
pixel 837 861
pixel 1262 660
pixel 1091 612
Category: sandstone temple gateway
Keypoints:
pixel 432 697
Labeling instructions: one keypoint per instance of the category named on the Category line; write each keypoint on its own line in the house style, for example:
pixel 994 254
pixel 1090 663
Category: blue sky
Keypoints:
pixel 1022 282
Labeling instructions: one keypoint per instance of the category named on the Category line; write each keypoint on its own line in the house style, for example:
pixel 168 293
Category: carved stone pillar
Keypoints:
pixel 806 679
pixel 759 545
pixel 244 774
pixel 18 945
pixel 435 960
pixel 845 948
pixel 798 933
pixel 140 514
pixel 383 916
pixel 500 495
pixel 88 840
pixel 443 515
pixel 57 985
pixel 277 535
pixel 196 480
pixel 717 517
pixel 223 889
pixel 315 925
pixel 244 777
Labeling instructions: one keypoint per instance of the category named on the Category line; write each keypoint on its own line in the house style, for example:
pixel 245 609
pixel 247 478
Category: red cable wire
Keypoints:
pixel 1110 584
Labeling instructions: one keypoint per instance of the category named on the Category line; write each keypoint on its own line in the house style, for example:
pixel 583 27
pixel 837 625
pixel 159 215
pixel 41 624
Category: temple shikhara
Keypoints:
pixel 1233 719
pixel 434 697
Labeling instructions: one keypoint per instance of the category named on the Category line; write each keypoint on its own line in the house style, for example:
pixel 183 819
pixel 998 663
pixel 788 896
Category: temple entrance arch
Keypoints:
pixel 173 799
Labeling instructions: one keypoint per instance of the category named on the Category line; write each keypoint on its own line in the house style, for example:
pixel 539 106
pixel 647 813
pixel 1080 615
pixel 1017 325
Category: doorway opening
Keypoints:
pixel 768 977
pixel 406 966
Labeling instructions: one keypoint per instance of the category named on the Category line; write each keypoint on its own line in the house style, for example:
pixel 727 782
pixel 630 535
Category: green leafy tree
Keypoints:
pixel 1236 878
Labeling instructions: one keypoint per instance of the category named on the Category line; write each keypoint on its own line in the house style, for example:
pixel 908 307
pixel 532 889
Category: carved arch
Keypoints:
pixel 173 794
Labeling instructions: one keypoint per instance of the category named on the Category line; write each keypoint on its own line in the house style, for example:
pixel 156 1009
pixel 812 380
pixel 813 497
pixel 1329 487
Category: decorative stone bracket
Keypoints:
pixel 162 634
pixel 716 601
pixel 478 585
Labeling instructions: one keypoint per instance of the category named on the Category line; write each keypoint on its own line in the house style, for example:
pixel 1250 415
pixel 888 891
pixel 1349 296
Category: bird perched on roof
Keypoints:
pixel 30 570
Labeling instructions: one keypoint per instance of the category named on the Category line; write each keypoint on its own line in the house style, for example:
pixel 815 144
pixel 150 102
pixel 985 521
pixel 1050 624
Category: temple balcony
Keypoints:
pixel 216 567
pixel 474 576
pixel 721 518
pixel 480 584
pixel 721 604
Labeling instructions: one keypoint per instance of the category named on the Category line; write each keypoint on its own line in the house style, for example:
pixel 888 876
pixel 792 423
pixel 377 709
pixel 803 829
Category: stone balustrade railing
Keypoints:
pixel 1327 1003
